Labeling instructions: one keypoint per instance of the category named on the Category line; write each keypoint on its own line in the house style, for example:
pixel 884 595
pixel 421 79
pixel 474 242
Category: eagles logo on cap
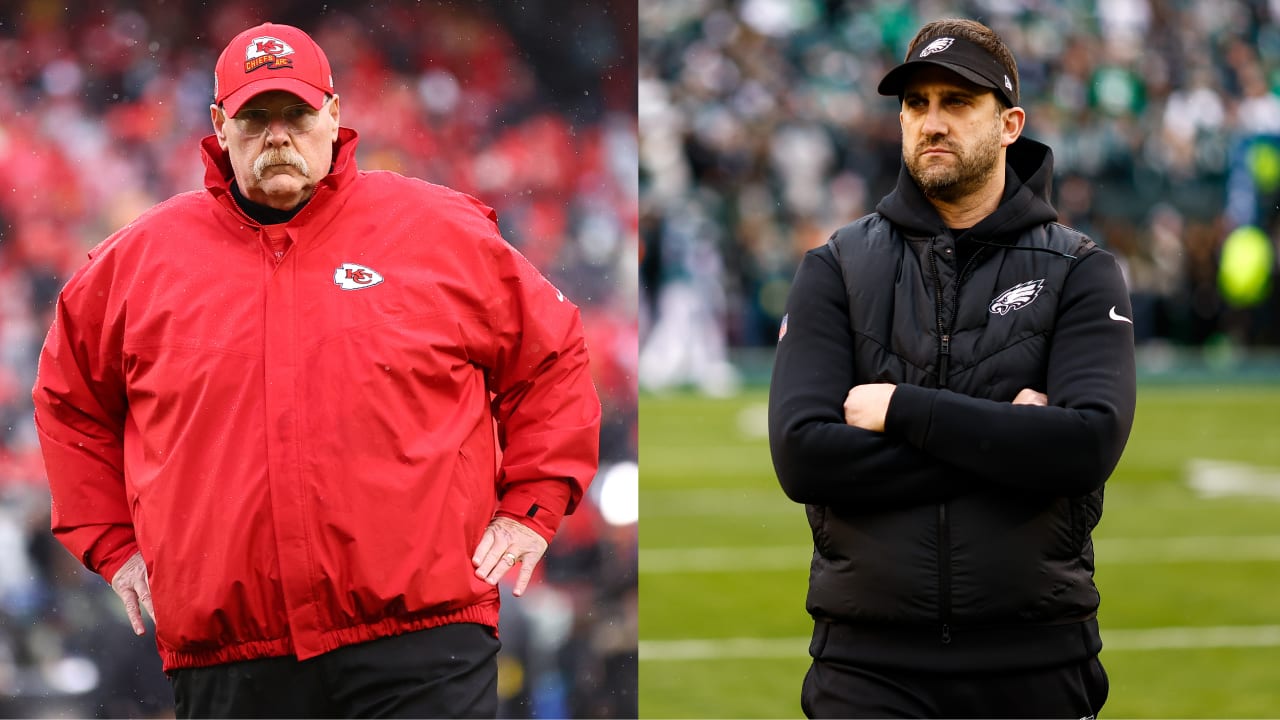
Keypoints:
pixel 937 46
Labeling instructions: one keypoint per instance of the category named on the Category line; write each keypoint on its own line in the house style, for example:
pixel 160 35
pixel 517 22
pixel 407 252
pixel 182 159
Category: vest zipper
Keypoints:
pixel 944 331
pixel 944 573
pixel 944 338
pixel 944 362
pixel 944 359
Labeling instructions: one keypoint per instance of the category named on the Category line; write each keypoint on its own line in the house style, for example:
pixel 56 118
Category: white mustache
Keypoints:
pixel 281 156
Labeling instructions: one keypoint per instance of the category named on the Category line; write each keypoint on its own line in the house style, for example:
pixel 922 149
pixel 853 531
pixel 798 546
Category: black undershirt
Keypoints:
pixel 263 214
pixel 964 249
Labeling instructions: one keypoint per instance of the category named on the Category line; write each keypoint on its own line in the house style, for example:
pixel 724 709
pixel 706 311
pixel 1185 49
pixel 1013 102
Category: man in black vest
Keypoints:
pixel 954 383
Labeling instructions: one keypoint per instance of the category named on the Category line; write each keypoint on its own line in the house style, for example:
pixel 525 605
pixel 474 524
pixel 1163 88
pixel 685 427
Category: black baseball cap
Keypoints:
pixel 968 60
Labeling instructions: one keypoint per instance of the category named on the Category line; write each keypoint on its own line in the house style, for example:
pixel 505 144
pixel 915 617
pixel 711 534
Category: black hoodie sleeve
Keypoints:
pixel 1071 446
pixel 819 459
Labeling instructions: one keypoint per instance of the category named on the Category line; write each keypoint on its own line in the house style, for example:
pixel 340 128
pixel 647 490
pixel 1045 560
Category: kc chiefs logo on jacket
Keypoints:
pixel 267 51
pixel 350 276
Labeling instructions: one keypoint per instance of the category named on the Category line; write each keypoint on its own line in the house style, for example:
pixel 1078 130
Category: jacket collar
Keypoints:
pixel 218 173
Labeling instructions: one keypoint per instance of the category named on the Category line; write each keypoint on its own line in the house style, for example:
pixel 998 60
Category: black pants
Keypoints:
pixel 448 671
pixel 841 690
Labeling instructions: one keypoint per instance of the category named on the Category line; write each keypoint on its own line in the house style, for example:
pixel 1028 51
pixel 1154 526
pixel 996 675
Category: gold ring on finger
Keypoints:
pixel 510 558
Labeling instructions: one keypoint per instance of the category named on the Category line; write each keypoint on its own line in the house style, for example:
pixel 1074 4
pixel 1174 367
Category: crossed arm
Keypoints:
pixel 880 445
pixel 867 405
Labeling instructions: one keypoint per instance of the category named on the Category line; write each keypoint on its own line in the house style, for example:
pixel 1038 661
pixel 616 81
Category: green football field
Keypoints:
pixel 1188 557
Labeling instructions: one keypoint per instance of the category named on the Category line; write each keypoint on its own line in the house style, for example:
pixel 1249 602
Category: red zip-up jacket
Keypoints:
pixel 295 423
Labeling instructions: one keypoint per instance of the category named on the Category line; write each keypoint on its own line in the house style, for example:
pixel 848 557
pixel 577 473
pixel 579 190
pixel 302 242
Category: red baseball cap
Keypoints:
pixel 271 57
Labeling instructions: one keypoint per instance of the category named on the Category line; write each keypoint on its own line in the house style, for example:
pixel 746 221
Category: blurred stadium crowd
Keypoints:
pixel 761 133
pixel 529 106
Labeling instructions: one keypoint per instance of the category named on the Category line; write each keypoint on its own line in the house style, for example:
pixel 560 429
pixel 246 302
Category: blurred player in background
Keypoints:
pixel 267 412
pixel 954 383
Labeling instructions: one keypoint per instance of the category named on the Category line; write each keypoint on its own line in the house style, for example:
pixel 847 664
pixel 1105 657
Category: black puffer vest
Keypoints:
pixel 988 580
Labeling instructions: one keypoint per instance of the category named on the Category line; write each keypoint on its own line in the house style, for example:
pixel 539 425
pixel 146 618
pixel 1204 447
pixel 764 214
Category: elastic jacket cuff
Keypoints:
pixel 111 552
pixel 537 504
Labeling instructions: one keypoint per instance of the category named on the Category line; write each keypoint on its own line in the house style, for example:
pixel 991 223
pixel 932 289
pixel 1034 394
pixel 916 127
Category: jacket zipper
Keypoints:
pixel 944 360
pixel 276 242
pixel 944 573
pixel 944 332
pixel 944 338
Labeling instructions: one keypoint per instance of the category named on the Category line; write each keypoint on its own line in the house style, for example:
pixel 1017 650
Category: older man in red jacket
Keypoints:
pixel 268 414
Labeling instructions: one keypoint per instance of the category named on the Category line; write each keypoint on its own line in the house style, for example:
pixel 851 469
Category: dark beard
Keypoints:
pixel 971 171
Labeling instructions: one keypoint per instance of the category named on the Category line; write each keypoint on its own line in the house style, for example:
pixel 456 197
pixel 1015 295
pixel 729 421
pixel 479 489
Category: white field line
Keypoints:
pixel 1166 638
pixel 1209 548
pixel 1207 478
pixel 725 559
pixel 1223 478
pixel 1112 551
pixel 695 503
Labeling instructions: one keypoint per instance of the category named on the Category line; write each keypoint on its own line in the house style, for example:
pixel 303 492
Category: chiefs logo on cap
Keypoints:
pixel 267 51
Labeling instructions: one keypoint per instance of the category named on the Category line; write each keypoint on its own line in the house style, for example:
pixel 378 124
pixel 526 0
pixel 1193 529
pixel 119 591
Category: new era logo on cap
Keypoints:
pixel 271 57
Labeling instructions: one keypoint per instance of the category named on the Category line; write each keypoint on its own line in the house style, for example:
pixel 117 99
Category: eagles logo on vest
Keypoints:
pixel 1017 297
